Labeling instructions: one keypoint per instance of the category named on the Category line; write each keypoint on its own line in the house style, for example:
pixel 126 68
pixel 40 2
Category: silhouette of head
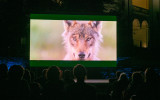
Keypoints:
pixel 16 72
pixel 137 77
pixel 122 77
pixel 53 73
pixel 118 74
pixel 27 75
pixel 79 72
pixel 44 72
pixel 67 75
pixel 3 71
pixel 150 75
pixel 133 97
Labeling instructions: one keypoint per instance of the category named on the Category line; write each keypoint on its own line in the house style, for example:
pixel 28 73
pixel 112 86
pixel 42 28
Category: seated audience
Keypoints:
pixel 18 84
pixel 81 90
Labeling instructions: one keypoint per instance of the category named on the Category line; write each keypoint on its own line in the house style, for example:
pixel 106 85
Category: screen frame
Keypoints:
pixel 62 63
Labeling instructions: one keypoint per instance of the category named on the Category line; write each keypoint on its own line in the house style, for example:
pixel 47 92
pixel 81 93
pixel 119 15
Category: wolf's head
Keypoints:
pixel 82 39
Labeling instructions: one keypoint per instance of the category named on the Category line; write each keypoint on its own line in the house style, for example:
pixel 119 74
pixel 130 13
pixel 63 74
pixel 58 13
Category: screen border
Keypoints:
pixel 62 63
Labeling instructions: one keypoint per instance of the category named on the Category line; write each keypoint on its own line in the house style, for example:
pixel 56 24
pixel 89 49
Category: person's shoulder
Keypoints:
pixel 72 87
pixel 90 86
pixel 24 83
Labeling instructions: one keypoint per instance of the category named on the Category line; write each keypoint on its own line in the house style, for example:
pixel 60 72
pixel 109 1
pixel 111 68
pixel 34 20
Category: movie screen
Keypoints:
pixel 73 40
pixel 67 40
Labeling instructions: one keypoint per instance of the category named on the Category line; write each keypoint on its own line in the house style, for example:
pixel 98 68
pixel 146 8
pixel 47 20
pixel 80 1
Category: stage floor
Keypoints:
pixel 96 81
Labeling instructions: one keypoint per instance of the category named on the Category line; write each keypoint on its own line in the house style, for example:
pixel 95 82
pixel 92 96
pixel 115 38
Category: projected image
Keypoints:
pixel 73 40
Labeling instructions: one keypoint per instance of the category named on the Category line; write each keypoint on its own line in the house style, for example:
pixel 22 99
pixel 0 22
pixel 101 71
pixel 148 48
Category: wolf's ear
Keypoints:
pixel 68 23
pixel 98 25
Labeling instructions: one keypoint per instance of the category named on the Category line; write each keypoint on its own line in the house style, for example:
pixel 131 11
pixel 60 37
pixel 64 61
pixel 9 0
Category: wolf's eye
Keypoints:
pixel 88 39
pixel 74 38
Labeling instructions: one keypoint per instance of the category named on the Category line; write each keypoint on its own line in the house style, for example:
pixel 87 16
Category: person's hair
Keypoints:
pixel 67 75
pixel 118 74
pixel 44 73
pixel 79 71
pixel 133 97
pixel 27 75
pixel 53 73
pixel 122 76
pixel 150 75
pixel 137 77
pixel 16 72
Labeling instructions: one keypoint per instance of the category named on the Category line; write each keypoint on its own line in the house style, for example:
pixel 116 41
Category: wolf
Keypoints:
pixel 82 39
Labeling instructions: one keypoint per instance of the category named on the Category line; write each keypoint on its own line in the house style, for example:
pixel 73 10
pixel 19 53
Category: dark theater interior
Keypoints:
pixel 131 73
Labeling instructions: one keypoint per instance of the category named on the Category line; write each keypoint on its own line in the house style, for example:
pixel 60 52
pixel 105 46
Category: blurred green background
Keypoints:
pixel 46 42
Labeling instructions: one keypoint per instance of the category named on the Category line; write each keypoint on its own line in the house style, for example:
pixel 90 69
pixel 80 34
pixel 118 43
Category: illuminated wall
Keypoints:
pixel 140 33
pixel 141 3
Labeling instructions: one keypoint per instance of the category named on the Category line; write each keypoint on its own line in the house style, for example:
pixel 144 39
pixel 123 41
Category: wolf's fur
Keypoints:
pixel 82 37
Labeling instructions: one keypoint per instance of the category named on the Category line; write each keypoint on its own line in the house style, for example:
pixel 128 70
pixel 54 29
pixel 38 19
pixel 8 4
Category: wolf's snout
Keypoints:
pixel 81 55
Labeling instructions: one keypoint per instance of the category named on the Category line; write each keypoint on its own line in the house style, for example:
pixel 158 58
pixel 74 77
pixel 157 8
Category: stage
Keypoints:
pixel 96 81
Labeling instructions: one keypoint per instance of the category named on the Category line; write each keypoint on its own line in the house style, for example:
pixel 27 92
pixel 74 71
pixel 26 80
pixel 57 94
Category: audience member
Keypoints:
pixel 17 87
pixel 3 79
pixel 116 77
pixel 81 90
pixel 68 78
pixel 113 82
pixel 33 76
pixel 3 72
pixel 136 86
pixel 27 76
pixel 35 87
pixel 134 97
pixel 152 85
pixel 118 73
pixel 36 90
pixel 43 78
pixel 120 87
pixel 54 87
